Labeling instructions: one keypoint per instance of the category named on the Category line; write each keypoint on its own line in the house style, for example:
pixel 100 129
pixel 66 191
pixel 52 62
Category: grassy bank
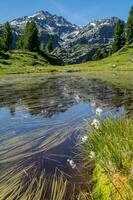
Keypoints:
pixel 20 62
pixel 111 149
pixel 27 62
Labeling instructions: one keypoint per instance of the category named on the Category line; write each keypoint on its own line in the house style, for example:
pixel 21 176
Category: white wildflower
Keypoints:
pixel 84 138
pixel 71 163
pixel 92 154
pixel 95 123
pixel 99 111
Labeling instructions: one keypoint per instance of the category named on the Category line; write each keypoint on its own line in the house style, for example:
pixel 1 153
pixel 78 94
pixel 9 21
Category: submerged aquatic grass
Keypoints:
pixel 112 145
pixel 22 175
pixel 23 184
pixel 15 147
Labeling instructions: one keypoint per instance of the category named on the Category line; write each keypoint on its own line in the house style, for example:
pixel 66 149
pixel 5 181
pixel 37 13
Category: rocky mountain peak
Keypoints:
pixel 46 22
pixel 69 39
pixel 98 31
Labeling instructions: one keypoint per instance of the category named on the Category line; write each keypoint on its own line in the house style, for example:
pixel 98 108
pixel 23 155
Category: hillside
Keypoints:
pixel 26 62
pixel 23 62
pixel 81 45
pixel 120 61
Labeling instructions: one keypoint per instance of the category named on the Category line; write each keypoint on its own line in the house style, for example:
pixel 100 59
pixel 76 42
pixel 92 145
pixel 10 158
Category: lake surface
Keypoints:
pixel 42 118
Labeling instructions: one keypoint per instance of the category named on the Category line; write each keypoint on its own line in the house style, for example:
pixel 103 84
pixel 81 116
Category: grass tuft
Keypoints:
pixel 112 144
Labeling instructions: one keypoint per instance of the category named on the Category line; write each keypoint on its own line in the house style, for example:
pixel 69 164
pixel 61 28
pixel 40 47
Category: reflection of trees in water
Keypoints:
pixel 47 97
pixel 57 94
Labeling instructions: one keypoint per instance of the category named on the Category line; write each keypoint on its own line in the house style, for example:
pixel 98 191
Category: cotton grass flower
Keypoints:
pixel 84 138
pixel 92 154
pixel 71 163
pixel 99 111
pixel 95 123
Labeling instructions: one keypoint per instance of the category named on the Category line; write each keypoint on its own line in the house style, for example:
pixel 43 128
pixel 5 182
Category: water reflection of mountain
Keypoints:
pixel 31 145
pixel 50 95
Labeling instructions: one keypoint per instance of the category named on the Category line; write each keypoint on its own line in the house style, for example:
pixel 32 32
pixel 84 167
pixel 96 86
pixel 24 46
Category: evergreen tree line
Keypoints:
pixel 123 35
pixel 29 40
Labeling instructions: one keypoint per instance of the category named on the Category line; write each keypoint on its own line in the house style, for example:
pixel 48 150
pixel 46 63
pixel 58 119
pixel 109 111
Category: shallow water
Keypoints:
pixel 42 118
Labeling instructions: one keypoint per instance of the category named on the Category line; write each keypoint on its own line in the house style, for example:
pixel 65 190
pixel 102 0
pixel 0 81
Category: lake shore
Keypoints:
pixel 110 147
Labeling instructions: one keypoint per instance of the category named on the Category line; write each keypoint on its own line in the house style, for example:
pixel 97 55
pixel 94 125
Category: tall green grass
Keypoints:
pixel 112 148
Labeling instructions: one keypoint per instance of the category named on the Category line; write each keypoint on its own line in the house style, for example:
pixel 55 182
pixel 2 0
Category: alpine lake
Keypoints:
pixel 43 119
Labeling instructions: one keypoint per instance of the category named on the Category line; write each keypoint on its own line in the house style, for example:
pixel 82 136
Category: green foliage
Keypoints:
pixel 28 62
pixel 119 36
pixel 112 147
pixel 42 46
pixel 6 37
pixel 50 46
pixel 98 55
pixel 30 40
pixel 129 29
pixel 101 53
pixel 1 46
pixel 20 43
pixel 21 63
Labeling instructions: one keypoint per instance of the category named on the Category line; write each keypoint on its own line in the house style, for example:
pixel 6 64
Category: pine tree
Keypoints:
pixel 1 45
pixel 43 46
pixel 119 36
pixel 20 43
pixel 129 28
pixel 7 37
pixel 30 40
pixel 98 55
pixel 50 46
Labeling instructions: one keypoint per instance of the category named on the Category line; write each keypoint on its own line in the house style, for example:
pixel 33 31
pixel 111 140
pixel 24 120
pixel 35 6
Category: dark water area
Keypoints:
pixel 42 118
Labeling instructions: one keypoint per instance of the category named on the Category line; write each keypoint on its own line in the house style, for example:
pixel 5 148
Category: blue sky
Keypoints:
pixel 76 11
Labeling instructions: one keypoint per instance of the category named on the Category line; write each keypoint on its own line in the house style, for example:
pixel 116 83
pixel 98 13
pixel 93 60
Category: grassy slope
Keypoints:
pixel 23 62
pixel 122 59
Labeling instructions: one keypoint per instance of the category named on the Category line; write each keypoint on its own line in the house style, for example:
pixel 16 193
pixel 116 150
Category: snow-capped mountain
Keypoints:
pixel 81 45
pixel 69 39
pixel 100 31
pixel 48 22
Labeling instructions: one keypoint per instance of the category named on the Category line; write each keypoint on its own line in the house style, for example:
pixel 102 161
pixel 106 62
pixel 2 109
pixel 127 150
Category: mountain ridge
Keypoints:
pixel 65 35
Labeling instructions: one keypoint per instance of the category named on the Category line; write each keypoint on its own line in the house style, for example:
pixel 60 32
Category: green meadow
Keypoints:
pixel 17 62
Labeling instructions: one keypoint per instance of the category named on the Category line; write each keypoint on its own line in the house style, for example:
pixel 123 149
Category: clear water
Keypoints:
pixel 42 117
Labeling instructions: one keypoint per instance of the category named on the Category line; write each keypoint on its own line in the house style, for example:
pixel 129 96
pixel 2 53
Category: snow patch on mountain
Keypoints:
pixel 47 22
